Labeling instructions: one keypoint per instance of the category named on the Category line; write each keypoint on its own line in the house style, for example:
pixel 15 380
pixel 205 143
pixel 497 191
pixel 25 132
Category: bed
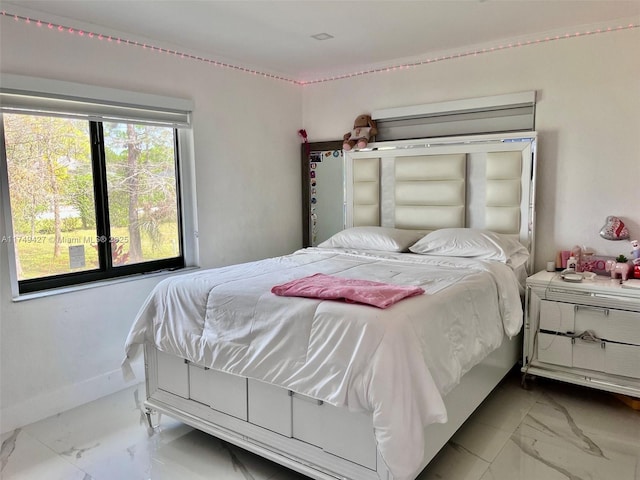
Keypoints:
pixel 343 389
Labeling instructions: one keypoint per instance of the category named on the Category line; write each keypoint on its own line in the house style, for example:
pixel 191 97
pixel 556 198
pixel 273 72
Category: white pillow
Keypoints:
pixel 469 242
pixel 373 238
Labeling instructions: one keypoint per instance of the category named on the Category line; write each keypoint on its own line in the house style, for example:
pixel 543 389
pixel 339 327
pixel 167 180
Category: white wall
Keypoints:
pixel 59 351
pixel 587 116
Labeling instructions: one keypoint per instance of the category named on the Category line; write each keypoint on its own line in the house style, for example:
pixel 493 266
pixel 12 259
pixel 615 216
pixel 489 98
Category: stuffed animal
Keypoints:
pixel 363 129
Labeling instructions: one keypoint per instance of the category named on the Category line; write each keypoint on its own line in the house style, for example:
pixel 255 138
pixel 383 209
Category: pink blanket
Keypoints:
pixel 327 287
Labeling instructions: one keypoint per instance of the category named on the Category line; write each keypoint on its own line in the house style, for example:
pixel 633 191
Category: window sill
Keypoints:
pixel 104 283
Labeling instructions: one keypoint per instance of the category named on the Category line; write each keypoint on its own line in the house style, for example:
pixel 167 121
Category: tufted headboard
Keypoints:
pixel 480 181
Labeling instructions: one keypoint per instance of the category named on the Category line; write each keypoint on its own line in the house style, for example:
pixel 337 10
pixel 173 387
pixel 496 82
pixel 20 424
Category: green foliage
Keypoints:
pixel 621 259
pixel 152 176
pixel 71 224
pixel 80 196
pixel 36 259
pixel 50 175
pixel 42 155
pixel 47 226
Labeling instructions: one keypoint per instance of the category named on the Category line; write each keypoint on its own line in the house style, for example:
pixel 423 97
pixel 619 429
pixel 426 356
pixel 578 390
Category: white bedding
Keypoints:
pixel 396 363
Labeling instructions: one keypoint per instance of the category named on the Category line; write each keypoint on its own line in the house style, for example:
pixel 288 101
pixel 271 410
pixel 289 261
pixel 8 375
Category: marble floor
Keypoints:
pixel 551 431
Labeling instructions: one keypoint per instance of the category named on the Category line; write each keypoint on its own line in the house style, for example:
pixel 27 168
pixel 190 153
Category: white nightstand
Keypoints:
pixel 586 333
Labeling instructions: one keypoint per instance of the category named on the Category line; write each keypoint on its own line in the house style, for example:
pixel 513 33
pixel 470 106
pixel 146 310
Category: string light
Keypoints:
pixel 386 69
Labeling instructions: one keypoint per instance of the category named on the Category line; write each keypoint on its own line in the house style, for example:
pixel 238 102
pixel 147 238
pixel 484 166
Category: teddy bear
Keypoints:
pixel 363 129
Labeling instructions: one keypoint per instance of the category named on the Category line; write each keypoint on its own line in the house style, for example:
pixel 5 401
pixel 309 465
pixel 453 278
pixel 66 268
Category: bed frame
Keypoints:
pixel 473 181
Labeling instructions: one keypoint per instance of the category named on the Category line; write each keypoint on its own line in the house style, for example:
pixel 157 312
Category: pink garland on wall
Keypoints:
pixel 404 66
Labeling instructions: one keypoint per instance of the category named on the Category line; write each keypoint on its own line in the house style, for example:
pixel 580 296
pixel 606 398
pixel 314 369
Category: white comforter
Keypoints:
pixel 396 363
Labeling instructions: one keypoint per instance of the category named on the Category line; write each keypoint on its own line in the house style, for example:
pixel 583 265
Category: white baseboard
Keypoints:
pixel 66 398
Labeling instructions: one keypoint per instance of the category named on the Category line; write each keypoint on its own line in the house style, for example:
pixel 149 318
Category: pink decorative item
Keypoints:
pixel 331 287
pixel 576 252
pixel 618 268
pixel 595 264
pixel 614 229
pixel 303 134
pixel 587 263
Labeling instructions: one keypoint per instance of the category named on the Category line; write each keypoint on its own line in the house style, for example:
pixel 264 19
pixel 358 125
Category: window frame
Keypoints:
pixel 185 196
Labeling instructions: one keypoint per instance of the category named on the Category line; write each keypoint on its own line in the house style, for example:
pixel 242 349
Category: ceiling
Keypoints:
pixel 274 36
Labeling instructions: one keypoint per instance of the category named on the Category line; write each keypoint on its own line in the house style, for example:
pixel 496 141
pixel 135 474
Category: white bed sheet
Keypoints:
pixel 397 363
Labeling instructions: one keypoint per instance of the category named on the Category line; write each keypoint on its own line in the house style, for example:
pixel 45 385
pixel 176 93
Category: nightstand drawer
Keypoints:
pixel 557 316
pixel 605 323
pixel 608 324
pixel 589 355
pixel 622 360
pixel 606 357
pixel 556 349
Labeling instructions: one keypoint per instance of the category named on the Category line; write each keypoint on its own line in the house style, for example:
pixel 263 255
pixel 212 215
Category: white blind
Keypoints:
pixel 37 96
pixel 501 113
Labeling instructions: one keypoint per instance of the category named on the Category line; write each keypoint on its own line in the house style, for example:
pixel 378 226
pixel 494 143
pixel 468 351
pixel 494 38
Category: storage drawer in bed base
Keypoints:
pixel 302 456
pixel 333 431
pixel 294 454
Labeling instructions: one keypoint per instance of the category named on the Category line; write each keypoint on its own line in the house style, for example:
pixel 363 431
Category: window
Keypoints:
pixel 90 200
pixel 92 196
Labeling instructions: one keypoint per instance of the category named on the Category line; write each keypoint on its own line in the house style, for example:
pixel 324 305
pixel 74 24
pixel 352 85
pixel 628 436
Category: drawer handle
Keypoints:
pixel 587 307
pixel 306 399
pixel 196 365
pixel 586 336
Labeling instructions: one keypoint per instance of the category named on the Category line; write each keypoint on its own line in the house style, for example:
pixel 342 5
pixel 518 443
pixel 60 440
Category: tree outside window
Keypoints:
pixel 92 197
